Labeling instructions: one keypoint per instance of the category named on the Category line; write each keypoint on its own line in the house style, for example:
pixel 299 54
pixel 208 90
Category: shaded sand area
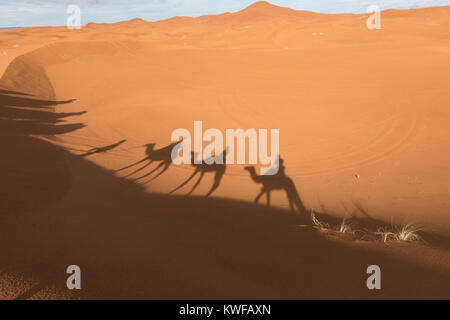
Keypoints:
pixel 363 132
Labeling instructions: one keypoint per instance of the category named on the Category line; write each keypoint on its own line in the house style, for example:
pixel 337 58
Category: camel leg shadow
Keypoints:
pixel 197 183
pixel 259 196
pixel 150 173
pixel 217 180
pixel 186 182
pixel 132 165
pixel 166 167
pixel 140 169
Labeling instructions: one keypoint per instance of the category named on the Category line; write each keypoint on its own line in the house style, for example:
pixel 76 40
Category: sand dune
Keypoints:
pixel 363 131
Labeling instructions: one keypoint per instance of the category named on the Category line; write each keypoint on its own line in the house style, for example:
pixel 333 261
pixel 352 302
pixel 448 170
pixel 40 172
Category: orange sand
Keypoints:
pixel 363 116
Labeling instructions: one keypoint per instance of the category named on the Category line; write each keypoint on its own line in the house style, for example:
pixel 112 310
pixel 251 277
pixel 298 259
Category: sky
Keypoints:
pixel 25 13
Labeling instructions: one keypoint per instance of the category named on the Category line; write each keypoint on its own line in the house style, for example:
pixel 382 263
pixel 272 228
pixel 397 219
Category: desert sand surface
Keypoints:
pixel 363 118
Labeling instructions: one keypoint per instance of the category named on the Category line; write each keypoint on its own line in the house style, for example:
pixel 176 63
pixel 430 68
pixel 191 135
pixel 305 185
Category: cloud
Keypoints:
pixel 53 12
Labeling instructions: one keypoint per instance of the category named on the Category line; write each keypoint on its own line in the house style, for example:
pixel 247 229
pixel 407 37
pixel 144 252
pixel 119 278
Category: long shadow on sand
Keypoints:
pixel 33 172
pixel 133 244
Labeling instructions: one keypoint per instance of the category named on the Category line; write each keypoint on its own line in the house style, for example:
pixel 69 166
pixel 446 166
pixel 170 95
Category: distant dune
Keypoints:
pixel 363 118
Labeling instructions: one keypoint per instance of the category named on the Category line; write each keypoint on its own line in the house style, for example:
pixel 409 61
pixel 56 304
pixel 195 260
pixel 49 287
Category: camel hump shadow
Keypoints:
pixel 163 156
pixel 278 181
pixel 214 164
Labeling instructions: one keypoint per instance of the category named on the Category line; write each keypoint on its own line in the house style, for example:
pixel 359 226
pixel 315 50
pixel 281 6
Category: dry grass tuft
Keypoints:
pixel 408 232
pixel 317 223
pixel 346 226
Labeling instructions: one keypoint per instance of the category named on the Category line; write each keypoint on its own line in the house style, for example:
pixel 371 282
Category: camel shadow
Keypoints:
pixel 163 156
pixel 208 165
pixel 278 181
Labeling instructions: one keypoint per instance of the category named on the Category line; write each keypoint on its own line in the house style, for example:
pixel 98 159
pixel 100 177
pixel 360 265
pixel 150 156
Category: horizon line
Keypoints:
pixel 217 14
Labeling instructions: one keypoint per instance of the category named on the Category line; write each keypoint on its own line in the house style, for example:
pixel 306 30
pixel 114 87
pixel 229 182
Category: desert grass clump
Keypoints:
pixel 316 222
pixel 346 226
pixel 409 233
pixel 349 226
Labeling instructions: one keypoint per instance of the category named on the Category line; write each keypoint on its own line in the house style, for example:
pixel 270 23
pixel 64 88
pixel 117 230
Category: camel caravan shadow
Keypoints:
pixel 163 156
pixel 277 180
pixel 158 246
pixel 134 244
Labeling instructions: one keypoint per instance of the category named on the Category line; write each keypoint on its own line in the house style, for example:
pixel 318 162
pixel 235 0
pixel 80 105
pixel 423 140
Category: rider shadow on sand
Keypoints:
pixel 206 166
pixel 278 181
pixel 163 156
